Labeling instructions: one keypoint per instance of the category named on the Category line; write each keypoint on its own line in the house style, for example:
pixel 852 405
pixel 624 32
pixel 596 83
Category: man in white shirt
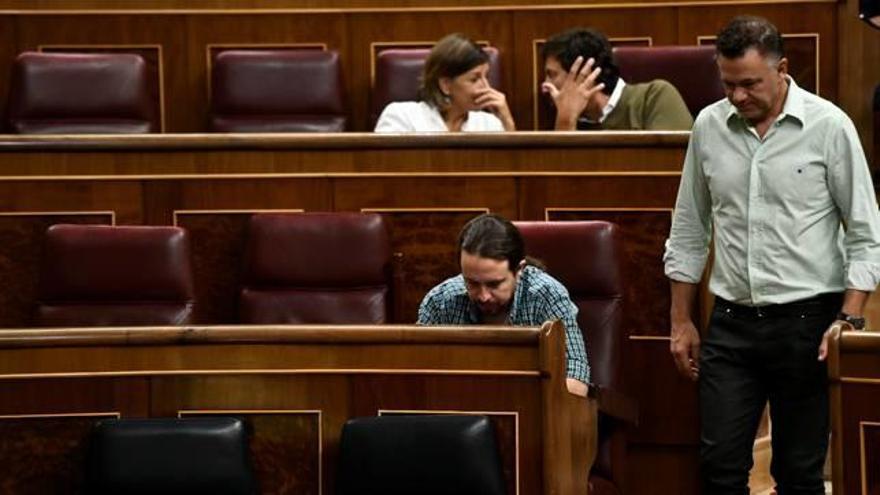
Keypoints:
pixel 778 176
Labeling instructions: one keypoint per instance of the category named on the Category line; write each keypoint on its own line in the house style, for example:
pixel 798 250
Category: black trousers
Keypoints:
pixel 752 355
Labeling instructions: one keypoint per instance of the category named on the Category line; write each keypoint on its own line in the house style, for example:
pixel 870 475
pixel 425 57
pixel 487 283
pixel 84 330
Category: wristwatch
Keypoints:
pixel 857 322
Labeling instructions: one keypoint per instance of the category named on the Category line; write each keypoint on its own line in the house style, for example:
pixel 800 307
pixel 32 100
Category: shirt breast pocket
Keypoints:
pixel 809 184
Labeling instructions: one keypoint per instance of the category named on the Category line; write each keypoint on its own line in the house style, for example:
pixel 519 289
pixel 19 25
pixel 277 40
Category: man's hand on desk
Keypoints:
pixel 576 387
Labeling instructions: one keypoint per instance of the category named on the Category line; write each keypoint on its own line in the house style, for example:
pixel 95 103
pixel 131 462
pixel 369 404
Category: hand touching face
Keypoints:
pixel 572 91
pixel 471 91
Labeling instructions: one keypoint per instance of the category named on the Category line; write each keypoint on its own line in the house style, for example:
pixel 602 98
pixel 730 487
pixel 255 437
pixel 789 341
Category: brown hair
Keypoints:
pixel 451 57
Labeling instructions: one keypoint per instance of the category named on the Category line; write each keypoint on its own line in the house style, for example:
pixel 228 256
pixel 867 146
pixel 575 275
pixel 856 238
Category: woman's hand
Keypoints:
pixel 494 101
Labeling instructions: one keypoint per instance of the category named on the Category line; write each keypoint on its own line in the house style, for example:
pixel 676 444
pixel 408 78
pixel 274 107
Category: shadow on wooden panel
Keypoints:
pixel 870 449
pixel 21 247
pixel 218 241
pixel 45 454
pixel 427 238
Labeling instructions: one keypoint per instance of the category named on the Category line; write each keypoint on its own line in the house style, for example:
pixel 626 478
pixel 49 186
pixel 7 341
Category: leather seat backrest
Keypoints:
pixel 170 456
pixel 691 69
pixel 316 268
pixel 430 455
pixel 98 275
pixel 277 91
pixel 67 93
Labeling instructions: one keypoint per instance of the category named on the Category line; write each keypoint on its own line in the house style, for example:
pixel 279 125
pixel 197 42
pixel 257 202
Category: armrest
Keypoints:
pixel 615 404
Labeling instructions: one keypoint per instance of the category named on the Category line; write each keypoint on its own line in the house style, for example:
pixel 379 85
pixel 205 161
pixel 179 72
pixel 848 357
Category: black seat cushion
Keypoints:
pixel 170 456
pixel 428 455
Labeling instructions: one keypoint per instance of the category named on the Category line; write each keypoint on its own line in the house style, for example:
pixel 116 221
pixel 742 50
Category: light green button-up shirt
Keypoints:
pixel 777 206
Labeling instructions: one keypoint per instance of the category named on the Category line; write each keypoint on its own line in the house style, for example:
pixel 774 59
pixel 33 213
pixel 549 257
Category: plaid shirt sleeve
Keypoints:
pixel 445 304
pixel 543 298
pixel 560 306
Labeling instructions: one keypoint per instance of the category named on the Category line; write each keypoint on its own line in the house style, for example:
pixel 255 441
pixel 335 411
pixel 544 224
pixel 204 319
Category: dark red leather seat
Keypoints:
pixel 691 69
pixel 399 70
pixel 586 258
pixel 65 93
pixel 316 268
pixel 98 275
pixel 277 91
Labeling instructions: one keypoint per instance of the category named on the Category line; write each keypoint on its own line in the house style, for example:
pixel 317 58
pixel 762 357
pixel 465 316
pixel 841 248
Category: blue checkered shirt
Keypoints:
pixel 538 298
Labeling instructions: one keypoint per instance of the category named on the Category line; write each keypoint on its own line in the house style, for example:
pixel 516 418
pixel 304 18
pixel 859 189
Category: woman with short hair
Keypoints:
pixel 454 94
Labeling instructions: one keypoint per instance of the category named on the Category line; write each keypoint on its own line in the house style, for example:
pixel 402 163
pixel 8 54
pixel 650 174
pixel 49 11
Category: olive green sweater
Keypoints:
pixel 651 106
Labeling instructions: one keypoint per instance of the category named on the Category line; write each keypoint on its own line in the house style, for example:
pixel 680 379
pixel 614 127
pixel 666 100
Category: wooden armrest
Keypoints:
pixel 615 404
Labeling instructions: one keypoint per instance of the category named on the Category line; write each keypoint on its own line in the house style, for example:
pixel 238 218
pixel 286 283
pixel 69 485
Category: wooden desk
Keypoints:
pixel 854 371
pixel 296 386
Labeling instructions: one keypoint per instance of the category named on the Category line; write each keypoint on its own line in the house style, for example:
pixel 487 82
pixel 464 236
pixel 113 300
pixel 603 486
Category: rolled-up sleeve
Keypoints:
pixel 853 192
pixel 687 248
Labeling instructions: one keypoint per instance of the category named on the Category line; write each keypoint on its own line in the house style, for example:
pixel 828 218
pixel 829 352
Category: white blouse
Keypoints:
pixel 418 116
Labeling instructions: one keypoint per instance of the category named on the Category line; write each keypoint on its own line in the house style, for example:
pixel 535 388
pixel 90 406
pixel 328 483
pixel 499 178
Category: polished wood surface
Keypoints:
pixel 854 371
pixel 270 6
pixel 295 386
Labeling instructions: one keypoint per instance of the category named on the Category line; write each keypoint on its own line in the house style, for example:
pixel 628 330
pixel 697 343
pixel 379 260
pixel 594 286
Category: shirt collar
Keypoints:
pixel 613 100
pixel 793 106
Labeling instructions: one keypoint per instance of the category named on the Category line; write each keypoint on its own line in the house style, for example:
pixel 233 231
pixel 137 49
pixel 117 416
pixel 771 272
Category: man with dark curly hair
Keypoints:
pixel 585 84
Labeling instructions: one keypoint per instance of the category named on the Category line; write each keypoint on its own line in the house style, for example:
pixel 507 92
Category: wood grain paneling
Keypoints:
pixel 854 372
pixel 870 449
pixel 280 6
pixel 44 455
pixel 669 412
pixel 810 38
pixel 217 243
pixel 427 240
pixel 858 45
pixel 669 467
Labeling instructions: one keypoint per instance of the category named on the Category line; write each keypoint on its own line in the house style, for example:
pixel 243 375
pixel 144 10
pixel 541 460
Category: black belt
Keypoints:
pixel 830 301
